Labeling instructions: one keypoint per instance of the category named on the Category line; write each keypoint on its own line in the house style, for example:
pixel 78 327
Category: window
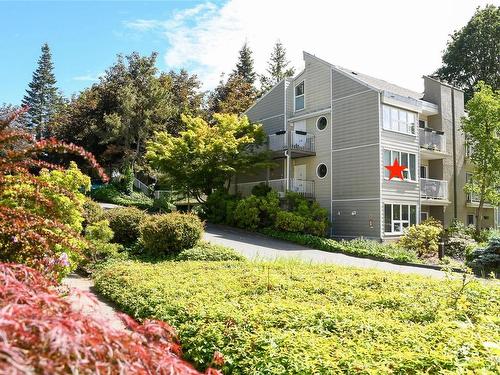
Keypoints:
pixel 299 96
pixel 322 123
pixel 398 217
pixel 322 170
pixel 423 216
pixel 471 220
pixel 424 171
pixel 422 124
pixel 399 120
pixel 403 158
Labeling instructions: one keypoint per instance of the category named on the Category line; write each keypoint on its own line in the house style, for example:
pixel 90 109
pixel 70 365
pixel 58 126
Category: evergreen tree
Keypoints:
pixel 244 66
pixel 277 68
pixel 233 96
pixel 42 96
pixel 472 54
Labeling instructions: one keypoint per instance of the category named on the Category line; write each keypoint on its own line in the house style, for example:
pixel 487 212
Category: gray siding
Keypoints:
pixel 355 159
pixel 344 86
pixel 274 124
pixel 269 110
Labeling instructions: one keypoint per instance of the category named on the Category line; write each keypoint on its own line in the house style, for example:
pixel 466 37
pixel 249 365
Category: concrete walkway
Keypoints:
pixel 109 206
pixel 257 246
pixel 100 308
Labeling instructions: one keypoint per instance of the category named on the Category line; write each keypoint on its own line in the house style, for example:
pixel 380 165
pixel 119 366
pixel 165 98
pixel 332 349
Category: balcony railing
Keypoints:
pixel 303 187
pixel 433 189
pixel 432 140
pixel 301 141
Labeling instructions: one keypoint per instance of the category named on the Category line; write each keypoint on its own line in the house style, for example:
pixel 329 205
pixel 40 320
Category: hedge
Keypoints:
pixel 293 318
pixel 358 247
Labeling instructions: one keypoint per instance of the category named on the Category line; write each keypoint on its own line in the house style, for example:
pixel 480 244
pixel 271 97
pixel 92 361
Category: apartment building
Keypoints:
pixel 332 131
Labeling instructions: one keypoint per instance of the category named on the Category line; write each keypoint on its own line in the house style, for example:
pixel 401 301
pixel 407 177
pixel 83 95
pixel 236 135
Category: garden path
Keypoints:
pixel 100 308
pixel 257 246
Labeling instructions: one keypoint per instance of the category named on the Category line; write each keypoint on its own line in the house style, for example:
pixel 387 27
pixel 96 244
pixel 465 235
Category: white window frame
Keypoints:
pixel 473 219
pixel 407 171
pixel 400 221
pixel 298 96
pixel 398 122
pixel 317 122
pixel 426 213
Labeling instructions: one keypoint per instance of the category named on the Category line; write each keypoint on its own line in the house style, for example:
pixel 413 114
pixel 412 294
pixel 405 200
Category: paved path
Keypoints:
pixel 257 246
pixel 100 308
pixel 108 206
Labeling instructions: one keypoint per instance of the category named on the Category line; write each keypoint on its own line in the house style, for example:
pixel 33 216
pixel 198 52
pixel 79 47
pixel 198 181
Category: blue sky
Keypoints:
pixel 84 38
pixel 398 41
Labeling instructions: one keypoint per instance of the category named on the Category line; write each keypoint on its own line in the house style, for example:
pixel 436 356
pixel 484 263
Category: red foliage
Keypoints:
pixel 41 333
pixel 26 236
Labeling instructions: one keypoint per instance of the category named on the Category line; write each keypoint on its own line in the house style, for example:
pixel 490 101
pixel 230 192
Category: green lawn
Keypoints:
pixel 294 318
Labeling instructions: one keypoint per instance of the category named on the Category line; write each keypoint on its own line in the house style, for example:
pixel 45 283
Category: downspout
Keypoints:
pixel 453 126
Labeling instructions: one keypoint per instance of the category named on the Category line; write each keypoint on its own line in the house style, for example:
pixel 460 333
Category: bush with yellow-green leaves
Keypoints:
pixel 293 318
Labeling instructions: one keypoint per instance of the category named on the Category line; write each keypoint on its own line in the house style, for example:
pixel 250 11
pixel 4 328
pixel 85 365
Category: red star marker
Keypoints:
pixel 396 170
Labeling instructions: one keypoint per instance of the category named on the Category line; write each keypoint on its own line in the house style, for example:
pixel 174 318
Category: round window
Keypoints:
pixel 322 170
pixel 321 123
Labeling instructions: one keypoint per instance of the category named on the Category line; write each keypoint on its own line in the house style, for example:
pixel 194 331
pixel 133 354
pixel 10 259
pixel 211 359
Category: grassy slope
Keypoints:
pixel 290 318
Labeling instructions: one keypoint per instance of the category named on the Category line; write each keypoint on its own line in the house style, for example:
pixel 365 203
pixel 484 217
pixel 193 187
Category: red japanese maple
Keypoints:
pixel 27 236
pixel 42 334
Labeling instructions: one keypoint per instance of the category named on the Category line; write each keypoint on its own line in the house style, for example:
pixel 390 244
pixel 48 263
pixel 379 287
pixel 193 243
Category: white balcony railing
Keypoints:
pixel 301 141
pixel 432 140
pixel 433 189
pixel 303 187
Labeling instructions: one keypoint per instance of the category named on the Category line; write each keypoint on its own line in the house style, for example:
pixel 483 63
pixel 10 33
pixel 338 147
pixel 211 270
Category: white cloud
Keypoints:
pixel 88 77
pixel 143 25
pixel 395 40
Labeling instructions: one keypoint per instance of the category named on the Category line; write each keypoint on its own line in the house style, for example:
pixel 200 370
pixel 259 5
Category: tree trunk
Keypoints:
pixel 479 211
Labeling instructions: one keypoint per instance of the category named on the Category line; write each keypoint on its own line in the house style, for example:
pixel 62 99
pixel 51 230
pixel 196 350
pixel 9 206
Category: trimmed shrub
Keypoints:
pixel 295 318
pixel 205 251
pixel 170 233
pixel 124 222
pixel 43 334
pixel 99 248
pixel 92 212
pixel 423 238
pixel 261 190
pixel 215 209
pixel 289 222
pixel 257 212
pixel 487 260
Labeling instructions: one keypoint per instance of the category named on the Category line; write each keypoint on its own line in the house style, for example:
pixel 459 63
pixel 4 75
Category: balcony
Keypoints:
pixel 432 143
pixel 302 144
pixel 303 187
pixel 434 191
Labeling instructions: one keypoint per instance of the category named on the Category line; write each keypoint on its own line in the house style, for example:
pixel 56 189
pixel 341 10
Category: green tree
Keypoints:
pixel 244 65
pixel 234 96
pixel 205 156
pixel 277 68
pixel 42 96
pixel 482 130
pixel 472 54
pixel 115 117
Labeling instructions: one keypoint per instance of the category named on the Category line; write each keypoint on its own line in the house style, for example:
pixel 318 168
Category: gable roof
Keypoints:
pixel 373 82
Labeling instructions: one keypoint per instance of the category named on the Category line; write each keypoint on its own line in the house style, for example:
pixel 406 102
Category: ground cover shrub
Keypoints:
pixel 293 318
pixel 363 248
pixel 42 334
pixel 170 233
pixel 110 194
pixel 486 260
pixel 423 238
pixel 125 222
pixel 40 202
pixel 208 252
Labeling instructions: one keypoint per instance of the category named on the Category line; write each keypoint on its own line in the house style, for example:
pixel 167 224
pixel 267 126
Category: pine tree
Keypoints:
pixel 244 66
pixel 277 68
pixel 42 96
